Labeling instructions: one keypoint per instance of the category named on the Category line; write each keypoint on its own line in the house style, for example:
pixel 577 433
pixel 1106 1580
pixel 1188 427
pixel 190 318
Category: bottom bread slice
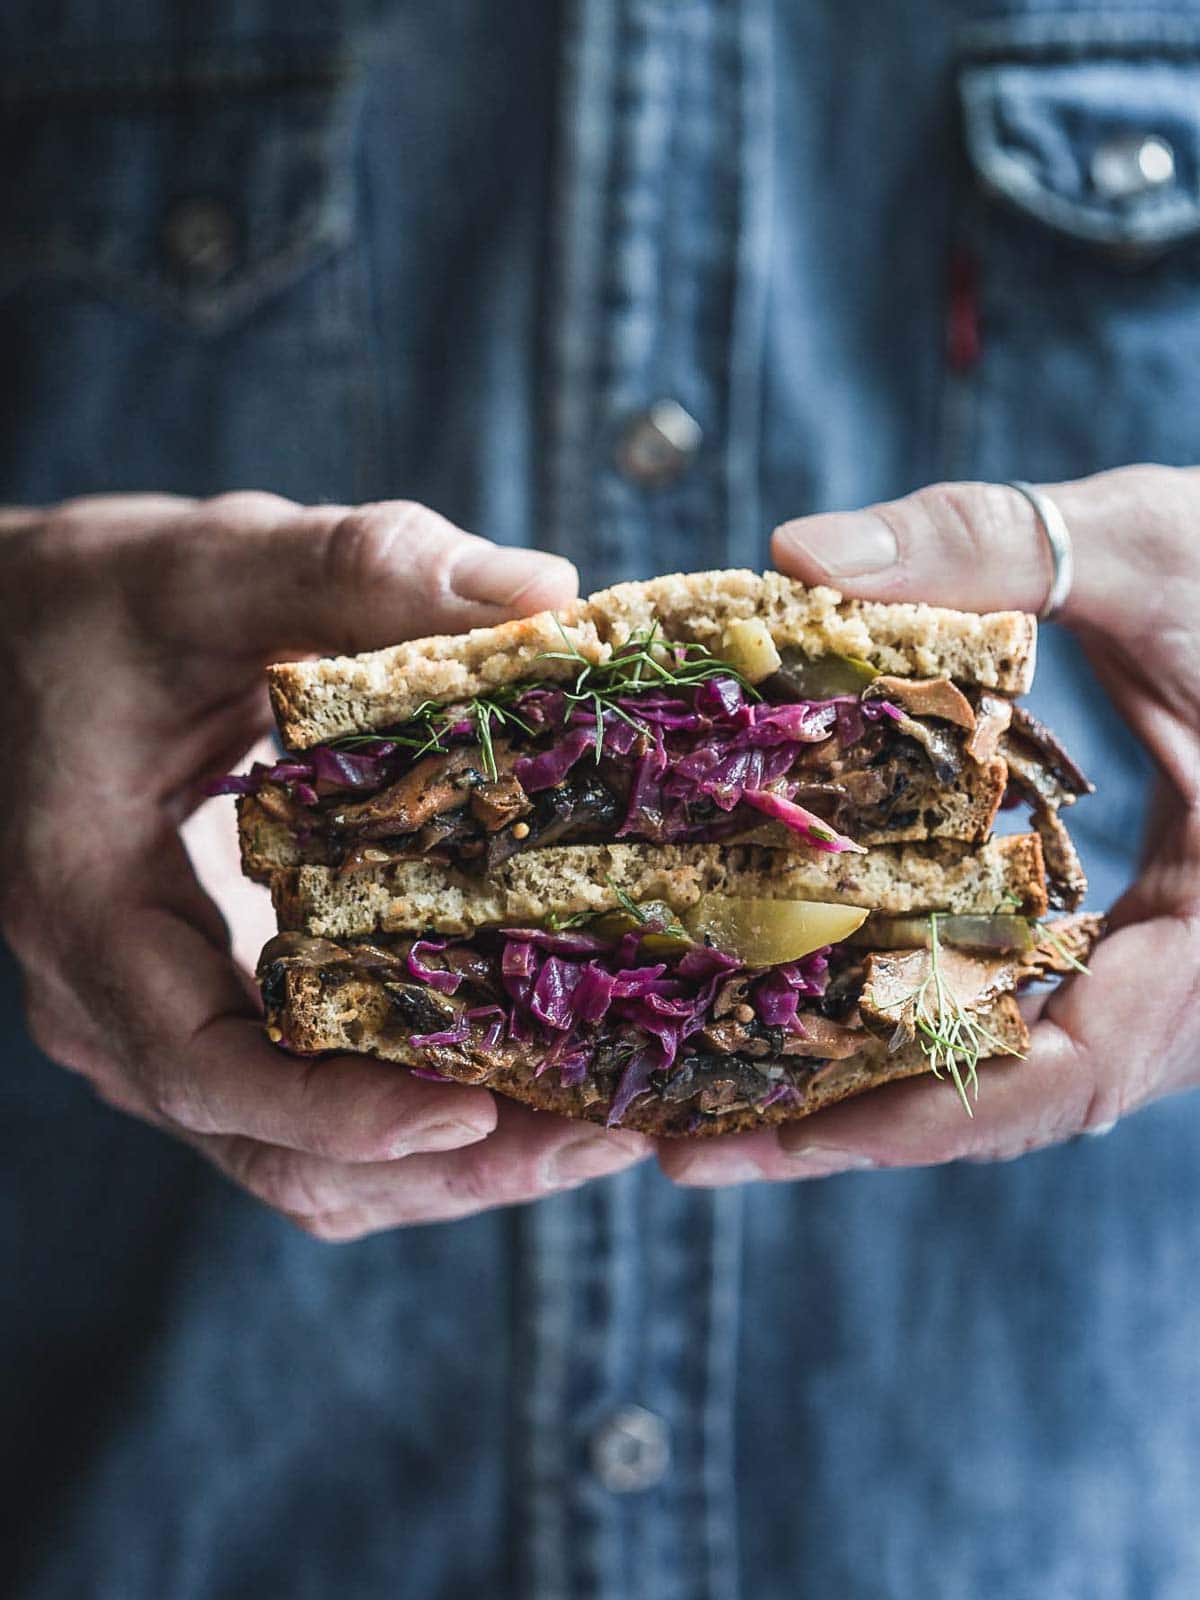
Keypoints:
pixel 313 1009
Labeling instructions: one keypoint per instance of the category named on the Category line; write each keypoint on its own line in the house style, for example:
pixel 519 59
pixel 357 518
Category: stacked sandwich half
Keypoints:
pixel 699 854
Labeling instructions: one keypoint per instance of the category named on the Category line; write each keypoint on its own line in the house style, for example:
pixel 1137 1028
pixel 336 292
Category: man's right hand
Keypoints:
pixel 133 635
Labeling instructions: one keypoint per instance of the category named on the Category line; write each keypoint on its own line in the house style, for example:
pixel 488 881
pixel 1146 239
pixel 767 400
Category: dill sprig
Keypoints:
pixel 953 1039
pixel 645 661
pixel 425 731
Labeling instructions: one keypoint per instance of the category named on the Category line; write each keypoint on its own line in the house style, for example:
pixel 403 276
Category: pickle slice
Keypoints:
pixel 1002 934
pixel 823 677
pixel 766 933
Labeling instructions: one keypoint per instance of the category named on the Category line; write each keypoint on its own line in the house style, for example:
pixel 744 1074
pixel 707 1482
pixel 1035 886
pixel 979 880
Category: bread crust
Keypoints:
pixel 324 699
pixel 569 879
pixel 320 1012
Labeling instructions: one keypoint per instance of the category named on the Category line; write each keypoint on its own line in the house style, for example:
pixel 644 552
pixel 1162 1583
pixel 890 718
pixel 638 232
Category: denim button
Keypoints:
pixel 1132 164
pixel 659 444
pixel 201 238
pixel 631 1451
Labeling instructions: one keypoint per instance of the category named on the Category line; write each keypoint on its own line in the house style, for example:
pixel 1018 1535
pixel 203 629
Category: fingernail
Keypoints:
pixel 497 574
pixel 716 1169
pixel 590 1158
pixel 821 1160
pixel 438 1136
pixel 844 544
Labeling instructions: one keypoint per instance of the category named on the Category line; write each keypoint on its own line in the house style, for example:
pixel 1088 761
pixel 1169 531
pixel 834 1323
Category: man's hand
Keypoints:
pixel 133 635
pixel 1131 1032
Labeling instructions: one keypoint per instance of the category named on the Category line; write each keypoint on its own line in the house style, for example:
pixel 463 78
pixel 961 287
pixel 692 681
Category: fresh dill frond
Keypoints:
pixel 645 661
pixel 953 1039
pixel 625 903
pixel 483 712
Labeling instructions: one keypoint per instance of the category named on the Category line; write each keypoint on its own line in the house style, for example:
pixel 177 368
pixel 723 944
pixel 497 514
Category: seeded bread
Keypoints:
pixel 317 700
pixel 411 895
pixel 317 1010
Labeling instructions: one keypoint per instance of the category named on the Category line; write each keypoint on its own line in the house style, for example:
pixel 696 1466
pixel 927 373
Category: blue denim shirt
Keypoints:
pixel 349 250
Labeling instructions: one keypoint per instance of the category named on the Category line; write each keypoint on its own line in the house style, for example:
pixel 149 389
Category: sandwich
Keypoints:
pixel 698 854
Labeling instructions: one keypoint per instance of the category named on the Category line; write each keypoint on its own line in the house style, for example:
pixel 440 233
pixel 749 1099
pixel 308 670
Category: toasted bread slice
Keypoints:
pixel 1004 874
pixel 318 700
pixel 313 1010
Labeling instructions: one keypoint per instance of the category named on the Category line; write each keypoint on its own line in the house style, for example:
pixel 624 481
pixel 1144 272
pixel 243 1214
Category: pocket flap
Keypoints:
pixel 197 191
pixel 1094 134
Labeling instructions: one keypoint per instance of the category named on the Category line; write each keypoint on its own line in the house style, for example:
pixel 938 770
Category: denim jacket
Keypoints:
pixel 633 279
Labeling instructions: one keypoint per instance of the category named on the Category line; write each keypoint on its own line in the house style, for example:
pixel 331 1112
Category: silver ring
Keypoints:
pixel 1058 537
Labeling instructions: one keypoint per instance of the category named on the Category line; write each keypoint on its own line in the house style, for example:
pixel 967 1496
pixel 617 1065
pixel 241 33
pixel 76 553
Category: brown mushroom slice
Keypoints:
pixel 924 697
pixel 437 784
pixel 992 718
pixel 823 1038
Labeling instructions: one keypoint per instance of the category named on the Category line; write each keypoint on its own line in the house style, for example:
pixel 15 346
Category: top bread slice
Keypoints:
pixel 326 699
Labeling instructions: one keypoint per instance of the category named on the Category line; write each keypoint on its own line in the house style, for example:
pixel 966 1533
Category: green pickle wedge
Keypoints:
pixel 767 933
pixel 824 677
pixel 1002 934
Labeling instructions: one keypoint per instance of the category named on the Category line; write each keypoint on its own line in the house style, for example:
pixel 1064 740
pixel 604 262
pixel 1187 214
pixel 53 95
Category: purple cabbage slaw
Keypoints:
pixel 563 986
pixel 709 744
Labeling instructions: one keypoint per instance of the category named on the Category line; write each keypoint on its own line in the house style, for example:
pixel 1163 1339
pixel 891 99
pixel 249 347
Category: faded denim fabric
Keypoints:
pixel 447 252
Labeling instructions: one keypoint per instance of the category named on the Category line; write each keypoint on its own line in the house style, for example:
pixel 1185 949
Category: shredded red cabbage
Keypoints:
pixel 564 989
pixel 439 978
pixel 806 823
pixel 703 747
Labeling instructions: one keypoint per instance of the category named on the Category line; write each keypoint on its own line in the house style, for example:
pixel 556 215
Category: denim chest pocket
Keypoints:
pixel 197 191
pixel 1080 225
pixel 182 289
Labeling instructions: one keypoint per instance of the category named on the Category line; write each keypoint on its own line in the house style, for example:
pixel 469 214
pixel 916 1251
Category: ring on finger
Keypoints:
pixel 1058 536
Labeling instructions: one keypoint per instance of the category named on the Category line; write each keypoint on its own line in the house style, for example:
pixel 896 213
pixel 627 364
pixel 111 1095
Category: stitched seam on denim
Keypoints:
pixel 648 89
pixel 719 1467
pixel 982 90
pixel 1081 32
pixel 158 73
pixel 547 1234
pixel 585 135
pixel 747 339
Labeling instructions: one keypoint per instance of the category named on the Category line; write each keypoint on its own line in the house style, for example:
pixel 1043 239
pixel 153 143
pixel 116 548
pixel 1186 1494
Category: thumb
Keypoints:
pixel 980 546
pixel 252 574
pixel 973 545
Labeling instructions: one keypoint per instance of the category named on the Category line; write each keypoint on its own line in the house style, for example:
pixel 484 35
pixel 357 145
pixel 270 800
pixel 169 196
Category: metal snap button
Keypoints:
pixel 201 238
pixel 659 444
pixel 1132 164
pixel 631 1451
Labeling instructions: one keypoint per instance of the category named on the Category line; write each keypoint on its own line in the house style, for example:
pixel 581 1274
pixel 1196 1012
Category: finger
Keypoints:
pixel 980 546
pixel 177 1018
pixel 305 1185
pixel 331 578
pixel 530 1155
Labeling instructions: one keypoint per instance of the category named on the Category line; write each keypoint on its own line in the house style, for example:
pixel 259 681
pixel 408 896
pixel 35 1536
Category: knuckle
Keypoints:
pixel 369 545
pixel 279 1178
pixel 483 1181
pixel 241 508
pixel 960 515
pixel 176 1102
